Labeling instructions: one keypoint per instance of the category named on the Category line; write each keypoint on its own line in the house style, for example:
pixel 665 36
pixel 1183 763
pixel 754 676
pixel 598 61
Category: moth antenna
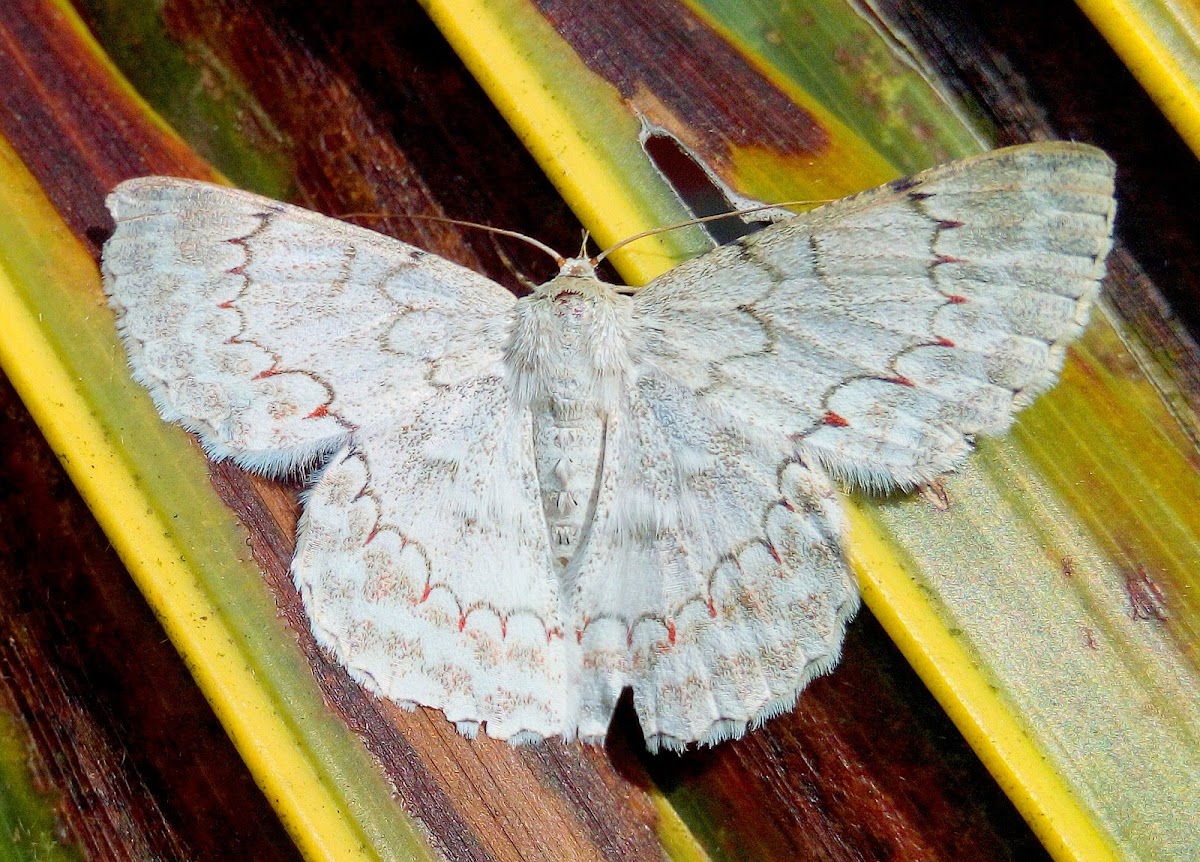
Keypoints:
pixel 512 268
pixel 583 246
pixel 541 246
pixel 702 220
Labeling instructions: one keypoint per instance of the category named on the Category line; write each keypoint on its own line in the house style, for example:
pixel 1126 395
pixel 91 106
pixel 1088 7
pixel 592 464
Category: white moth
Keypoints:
pixel 528 505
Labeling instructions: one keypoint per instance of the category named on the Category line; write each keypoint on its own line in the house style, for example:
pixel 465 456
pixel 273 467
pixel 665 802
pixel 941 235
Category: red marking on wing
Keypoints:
pixel 319 413
pixel 503 627
pixel 226 304
pixel 948 224
pixel 955 299
pixel 462 622
pixel 371 537
pixel 774 553
pixel 901 380
pixel 269 372
pixel 425 595
pixel 945 258
pixel 553 633
pixel 712 608
pixel 788 505
pixel 831 418
pixel 944 342
pixel 671 631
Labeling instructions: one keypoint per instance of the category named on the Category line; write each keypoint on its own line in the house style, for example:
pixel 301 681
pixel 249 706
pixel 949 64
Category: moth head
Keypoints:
pixel 576 277
pixel 577 267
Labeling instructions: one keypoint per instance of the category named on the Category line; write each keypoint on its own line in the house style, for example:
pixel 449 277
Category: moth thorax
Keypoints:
pixel 570 338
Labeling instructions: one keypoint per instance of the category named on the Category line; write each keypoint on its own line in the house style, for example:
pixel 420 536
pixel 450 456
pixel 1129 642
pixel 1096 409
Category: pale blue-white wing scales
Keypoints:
pixel 885 329
pixel 272 331
pixel 279 335
pixel 424 564
pixel 874 336
pixel 712 580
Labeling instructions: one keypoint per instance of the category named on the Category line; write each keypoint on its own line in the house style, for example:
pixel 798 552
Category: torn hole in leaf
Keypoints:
pixel 697 187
